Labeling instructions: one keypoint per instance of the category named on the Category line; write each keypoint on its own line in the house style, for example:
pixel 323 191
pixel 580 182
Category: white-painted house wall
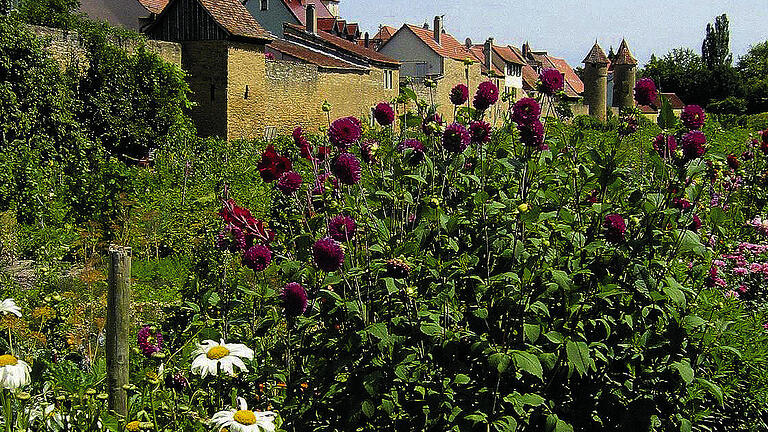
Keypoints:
pixel 405 47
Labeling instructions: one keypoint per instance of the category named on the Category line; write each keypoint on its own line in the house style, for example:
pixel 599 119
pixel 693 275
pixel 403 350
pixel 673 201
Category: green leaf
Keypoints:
pixel 379 330
pixel 110 422
pixel 500 361
pixel 368 408
pixel 685 370
pixel 674 291
pixel 505 424
pixel 528 362
pixel 461 379
pixel 532 332
pixel 713 388
pixel 431 329
pixel 667 118
pixel 532 399
pixel 690 242
pixel 685 425
pixel 578 356
pixel 562 279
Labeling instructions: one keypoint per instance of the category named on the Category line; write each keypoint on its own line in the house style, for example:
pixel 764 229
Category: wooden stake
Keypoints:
pixel 118 308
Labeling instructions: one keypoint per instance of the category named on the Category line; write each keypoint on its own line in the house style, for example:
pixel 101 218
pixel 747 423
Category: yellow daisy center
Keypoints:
pixel 8 360
pixel 245 417
pixel 132 426
pixel 217 352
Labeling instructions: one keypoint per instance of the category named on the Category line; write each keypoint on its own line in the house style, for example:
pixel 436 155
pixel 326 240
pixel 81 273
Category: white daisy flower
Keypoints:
pixel 210 355
pixel 9 306
pixel 14 373
pixel 244 420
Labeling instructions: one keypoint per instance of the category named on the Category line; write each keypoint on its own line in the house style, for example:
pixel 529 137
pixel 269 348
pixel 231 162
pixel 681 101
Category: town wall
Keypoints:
pixel 206 65
pixel 247 102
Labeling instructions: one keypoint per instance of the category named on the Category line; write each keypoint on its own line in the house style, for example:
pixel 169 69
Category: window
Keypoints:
pixel 388 79
pixel 264 5
pixel 245 96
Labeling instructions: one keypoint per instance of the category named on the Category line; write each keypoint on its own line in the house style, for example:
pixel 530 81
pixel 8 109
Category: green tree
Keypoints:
pixel 753 70
pixel 681 71
pixel 50 13
pixel 716 50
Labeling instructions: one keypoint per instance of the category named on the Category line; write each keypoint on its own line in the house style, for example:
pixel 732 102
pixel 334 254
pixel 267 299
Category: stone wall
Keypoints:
pixel 247 102
pixel 67 48
pixel 206 65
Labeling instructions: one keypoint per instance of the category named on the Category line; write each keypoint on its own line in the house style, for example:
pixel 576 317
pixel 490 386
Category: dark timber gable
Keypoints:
pixel 185 20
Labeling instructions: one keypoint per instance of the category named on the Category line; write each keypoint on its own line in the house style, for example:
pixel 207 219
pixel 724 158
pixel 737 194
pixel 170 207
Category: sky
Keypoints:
pixel 568 28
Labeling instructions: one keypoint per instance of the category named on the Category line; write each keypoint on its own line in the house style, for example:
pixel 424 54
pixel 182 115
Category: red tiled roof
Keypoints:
pixel 299 9
pixel 352 29
pixel 235 18
pixel 449 47
pixel 326 24
pixel 384 33
pixel 530 77
pixel 674 101
pixel 596 56
pixel 154 6
pixel 344 45
pixel 570 76
pixel 310 56
pixel 478 52
pixel 508 54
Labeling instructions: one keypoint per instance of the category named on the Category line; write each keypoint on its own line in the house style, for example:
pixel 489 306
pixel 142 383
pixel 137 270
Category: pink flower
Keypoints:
pixel 743 288
pixel 551 81
pixel 731 294
pixel 718 263
pixel 765 326
pixel 487 94
pixel 740 271
pixel 755 268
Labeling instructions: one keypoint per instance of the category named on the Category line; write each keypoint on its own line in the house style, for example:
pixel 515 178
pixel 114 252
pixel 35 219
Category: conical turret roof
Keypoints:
pixel 596 55
pixel 624 56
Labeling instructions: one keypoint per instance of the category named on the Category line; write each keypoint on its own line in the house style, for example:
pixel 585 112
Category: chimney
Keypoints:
pixel 526 51
pixel 366 41
pixel 488 52
pixel 438 30
pixel 468 43
pixel 311 19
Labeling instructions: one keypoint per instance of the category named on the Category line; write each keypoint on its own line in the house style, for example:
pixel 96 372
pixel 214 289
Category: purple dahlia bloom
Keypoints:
pixel 176 381
pixel 231 238
pixel 427 125
pixel 487 94
pixel 344 132
pixel 456 138
pixel 459 94
pixel 342 228
pixel 289 182
pixel 294 298
pixel 615 228
pixel 384 114
pixel 693 117
pixel 665 145
pixel 695 225
pixel 693 144
pixel 480 132
pixel 346 167
pixel 645 92
pixel 149 342
pixel 328 254
pixel 417 150
pixel 531 134
pixel 526 111
pixel 551 81
pixel 367 149
pixel 257 258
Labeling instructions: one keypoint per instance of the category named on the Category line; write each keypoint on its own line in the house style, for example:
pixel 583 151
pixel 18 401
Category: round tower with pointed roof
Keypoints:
pixel 596 82
pixel 624 77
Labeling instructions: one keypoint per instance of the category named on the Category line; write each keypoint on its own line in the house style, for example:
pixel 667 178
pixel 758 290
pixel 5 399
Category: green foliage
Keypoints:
pixel 753 69
pixel 49 13
pixel 716 48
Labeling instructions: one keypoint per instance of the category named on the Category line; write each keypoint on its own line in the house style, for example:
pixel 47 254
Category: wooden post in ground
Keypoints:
pixel 118 308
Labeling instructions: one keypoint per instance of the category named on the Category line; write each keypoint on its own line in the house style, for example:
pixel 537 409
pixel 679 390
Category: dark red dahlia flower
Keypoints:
pixel 748 155
pixel 305 148
pixel 431 124
pixel 665 145
pixel 733 162
pixel 417 150
pixel 681 203
pixel 328 254
pixel 344 132
pixel 272 165
pixel 550 81
pixel 398 269
pixel 346 167
pixel 693 117
pixel 294 298
pixel 342 228
pixel 257 258
pixel 615 228
pixel 531 134
pixel 456 138
pixel 149 342
pixel 480 132
pixel 384 114
pixel 242 218
pixel 693 144
pixel 695 225
pixel 367 150
pixel 289 182
pixel 645 92
pixel 526 111
pixel 487 94
pixel 321 182
pixel 231 238
pixel 459 94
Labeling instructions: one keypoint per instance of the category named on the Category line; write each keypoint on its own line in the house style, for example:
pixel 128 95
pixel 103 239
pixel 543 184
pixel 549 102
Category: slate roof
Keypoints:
pixel 310 56
pixel 624 55
pixel 342 44
pixel 449 46
pixel 596 56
